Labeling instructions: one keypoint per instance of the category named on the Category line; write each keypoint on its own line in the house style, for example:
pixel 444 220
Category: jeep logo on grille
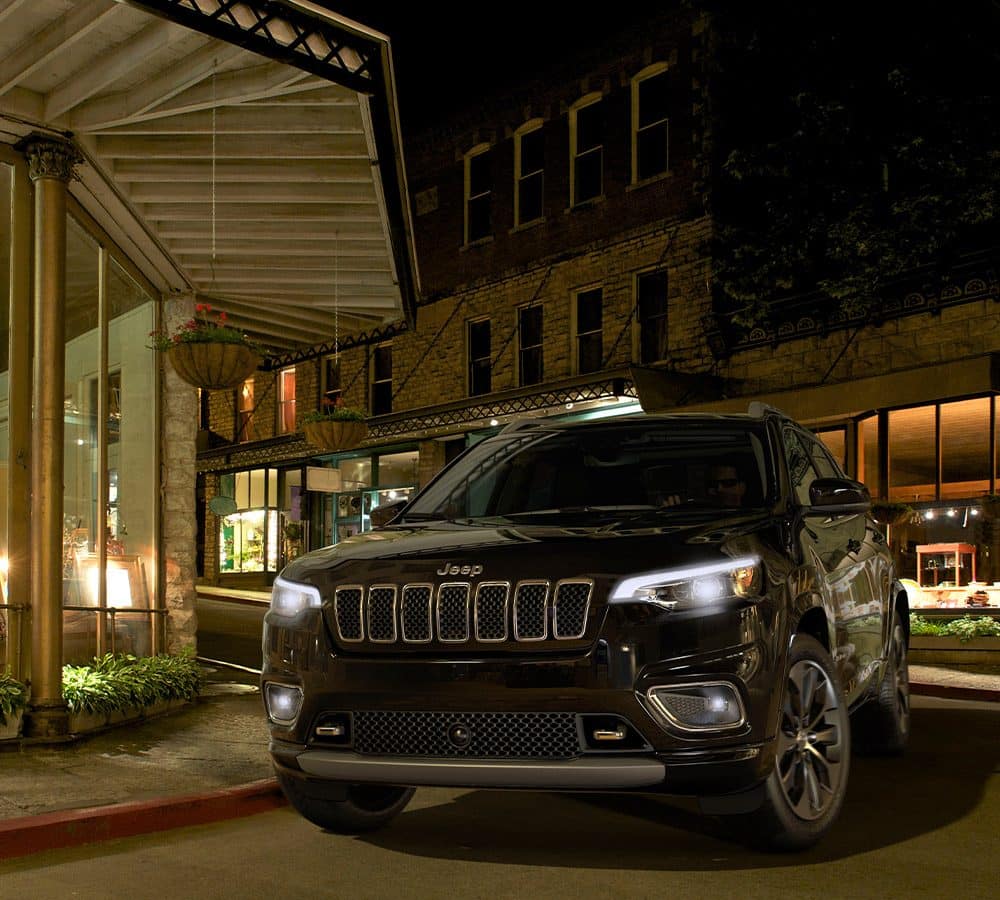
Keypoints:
pixel 448 569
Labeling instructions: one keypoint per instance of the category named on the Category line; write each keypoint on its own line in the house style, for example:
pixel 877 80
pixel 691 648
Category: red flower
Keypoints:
pixel 201 307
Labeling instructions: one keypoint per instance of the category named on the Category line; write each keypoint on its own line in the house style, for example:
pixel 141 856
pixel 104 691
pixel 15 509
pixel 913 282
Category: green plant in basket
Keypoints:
pixel 334 411
pixel 13 697
pixel 206 327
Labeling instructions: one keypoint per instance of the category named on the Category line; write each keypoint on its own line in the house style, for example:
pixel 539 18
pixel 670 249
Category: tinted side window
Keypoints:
pixel 800 468
pixel 821 459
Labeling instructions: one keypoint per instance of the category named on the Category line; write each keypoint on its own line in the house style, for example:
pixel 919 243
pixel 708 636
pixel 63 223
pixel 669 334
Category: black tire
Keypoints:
pixel 805 790
pixel 882 726
pixel 364 807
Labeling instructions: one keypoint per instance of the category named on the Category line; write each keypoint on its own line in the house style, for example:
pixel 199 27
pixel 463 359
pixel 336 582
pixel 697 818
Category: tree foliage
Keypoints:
pixel 851 145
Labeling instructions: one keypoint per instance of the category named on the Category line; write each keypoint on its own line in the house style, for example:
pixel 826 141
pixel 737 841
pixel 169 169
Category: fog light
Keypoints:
pixel 283 702
pixel 699 707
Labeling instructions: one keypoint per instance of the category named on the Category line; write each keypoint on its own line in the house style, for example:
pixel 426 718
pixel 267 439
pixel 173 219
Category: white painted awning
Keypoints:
pixel 264 187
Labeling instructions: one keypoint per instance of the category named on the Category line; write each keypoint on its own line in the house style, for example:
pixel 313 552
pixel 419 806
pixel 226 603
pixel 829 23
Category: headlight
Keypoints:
pixel 692 586
pixel 289 598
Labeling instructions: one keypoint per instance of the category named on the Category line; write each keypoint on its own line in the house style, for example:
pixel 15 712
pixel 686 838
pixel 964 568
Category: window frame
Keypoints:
pixel 471 360
pixel 665 316
pixel 585 102
pixel 469 198
pixel 286 404
pixel 522 348
pixel 328 395
pixel 374 382
pixel 576 334
pixel 652 71
pixel 246 431
pixel 531 127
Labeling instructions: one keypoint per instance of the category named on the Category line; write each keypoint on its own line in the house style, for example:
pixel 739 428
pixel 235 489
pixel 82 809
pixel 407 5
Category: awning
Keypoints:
pixel 250 155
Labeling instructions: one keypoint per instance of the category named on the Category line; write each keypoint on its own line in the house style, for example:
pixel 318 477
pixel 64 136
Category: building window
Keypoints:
pixel 204 410
pixel 835 440
pixel 650 125
pixel 586 127
pixel 286 400
pixel 248 539
pixel 529 173
pixel 651 304
pixel 331 380
pixel 479 357
pixel 478 194
pixel 382 380
pixel 530 340
pixel 589 330
pixel 246 429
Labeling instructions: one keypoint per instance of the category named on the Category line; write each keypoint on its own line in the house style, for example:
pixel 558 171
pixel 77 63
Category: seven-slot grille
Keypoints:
pixel 457 611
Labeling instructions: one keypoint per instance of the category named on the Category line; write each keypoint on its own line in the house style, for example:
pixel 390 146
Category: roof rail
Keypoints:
pixel 758 410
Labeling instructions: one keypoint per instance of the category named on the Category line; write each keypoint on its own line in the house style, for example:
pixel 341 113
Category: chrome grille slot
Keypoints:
pixel 497 735
pixel 382 613
pixel 530 607
pixel 491 611
pixel 415 613
pixel 569 609
pixel 453 612
pixel 347 612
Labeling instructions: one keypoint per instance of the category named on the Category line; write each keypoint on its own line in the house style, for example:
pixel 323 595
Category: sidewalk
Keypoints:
pixel 208 762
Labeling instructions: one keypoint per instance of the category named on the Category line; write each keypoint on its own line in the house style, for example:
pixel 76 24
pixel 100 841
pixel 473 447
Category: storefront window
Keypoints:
pixel 868 453
pixel 835 440
pixel 397 469
pixel 912 454
pixel 965 448
pixel 248 539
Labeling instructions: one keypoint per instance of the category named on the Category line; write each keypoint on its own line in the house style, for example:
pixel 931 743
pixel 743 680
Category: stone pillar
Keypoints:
pixel 178 435
pixel 430 460
pixel 50 163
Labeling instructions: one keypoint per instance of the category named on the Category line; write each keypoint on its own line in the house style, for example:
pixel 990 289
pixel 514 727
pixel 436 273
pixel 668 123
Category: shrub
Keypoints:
pixel 965 628
pixel 13 696
pixel 117 682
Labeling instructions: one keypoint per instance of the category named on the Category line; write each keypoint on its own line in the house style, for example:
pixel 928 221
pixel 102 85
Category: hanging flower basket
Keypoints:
pixel 214 366
pixel 335 434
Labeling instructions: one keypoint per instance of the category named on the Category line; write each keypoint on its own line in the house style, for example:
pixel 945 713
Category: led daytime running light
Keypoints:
pixel 699 583
pixel 289 598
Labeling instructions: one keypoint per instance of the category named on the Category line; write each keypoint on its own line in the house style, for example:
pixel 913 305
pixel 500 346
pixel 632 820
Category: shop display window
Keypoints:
pixel 912 454
pixel 248 538
pixel 965 448
pixel 868 454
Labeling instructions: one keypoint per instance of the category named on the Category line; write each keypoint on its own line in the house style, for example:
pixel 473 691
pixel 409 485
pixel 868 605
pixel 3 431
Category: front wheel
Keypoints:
pixel 357 807
pixel 805 790
pixel 883 724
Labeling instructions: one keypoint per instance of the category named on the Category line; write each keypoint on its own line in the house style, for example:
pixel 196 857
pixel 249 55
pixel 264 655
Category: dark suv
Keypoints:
pixel 682 604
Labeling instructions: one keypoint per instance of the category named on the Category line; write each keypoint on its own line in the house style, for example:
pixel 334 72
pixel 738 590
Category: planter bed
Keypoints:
pixel 11 731
pixel 927 649
pixel 87 722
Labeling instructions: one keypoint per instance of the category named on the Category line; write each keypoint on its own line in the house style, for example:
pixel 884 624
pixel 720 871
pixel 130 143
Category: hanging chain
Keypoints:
pixel 336 304
pixel 214 64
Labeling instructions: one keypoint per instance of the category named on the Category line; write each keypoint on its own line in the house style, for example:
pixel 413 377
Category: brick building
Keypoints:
pixel 564 233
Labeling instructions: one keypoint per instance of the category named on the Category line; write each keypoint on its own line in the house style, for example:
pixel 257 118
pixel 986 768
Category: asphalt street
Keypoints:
pixel 923 825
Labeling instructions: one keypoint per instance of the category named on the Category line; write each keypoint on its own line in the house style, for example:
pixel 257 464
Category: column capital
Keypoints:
pixel 49 157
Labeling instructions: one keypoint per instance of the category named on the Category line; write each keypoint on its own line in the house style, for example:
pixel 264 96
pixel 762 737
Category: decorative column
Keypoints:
pixel 50 161
pixel 178 517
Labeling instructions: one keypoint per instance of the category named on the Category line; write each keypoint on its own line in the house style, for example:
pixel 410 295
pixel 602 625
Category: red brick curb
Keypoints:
pixel 71 828
pixel 955 692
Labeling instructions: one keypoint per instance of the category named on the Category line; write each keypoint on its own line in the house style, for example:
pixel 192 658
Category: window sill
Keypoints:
pixel 527 226
pixel 478 242
pixel 653 179
pixel 585 204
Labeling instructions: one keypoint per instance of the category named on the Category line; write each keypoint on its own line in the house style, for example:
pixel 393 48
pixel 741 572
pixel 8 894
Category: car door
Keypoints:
pixel 834 548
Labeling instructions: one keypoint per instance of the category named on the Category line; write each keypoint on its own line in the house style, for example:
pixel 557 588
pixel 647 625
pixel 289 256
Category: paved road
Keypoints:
pixel 923 826
pixel 230 632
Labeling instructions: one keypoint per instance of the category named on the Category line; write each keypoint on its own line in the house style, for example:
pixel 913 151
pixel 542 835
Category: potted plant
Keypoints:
pixel 13 697
pixel 888 513
pixel 207 352
pixel 335 426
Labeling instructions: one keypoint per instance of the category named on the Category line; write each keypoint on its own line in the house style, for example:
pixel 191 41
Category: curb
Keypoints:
pixel 955 692
pixel 71 828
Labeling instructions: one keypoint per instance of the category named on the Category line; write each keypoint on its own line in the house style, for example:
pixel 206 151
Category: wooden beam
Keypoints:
pixel 242 171
pixel 111 66
pixel 277 146
pixel 256 212
pixel 285 277
pixel 38 49
pixel 374 250
pixel 202 230
pixel 324 265
pixel 250 118
pixel 231 192
pixel 8 8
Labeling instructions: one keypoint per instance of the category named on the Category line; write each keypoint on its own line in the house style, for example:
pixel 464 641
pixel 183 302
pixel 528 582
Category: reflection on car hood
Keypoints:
pixel 595 549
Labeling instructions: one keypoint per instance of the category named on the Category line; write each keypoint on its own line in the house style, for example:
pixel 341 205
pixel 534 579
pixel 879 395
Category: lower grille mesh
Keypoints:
pixel 500 735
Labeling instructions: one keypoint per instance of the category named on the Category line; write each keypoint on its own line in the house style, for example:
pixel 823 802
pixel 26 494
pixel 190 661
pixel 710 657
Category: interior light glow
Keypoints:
pixel 928 514
pixel 494 422
pixel 951 512
pixel 974 511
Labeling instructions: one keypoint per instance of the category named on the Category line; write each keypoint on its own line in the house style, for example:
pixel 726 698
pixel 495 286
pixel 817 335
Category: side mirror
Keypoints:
pixel 383 515
pixel 837 497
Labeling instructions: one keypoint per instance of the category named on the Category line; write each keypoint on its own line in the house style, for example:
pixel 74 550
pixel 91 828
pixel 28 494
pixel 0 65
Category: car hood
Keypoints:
pixel 439 551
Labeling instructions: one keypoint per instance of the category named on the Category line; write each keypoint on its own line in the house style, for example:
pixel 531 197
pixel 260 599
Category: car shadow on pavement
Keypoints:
pixel 937 782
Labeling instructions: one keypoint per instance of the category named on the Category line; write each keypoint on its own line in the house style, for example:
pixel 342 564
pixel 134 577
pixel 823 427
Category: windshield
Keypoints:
pixel 602 470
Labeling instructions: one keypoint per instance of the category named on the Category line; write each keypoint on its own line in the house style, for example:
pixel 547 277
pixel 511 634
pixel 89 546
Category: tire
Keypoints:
pixel 882 726
pixel 805 790
pixel 364 807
